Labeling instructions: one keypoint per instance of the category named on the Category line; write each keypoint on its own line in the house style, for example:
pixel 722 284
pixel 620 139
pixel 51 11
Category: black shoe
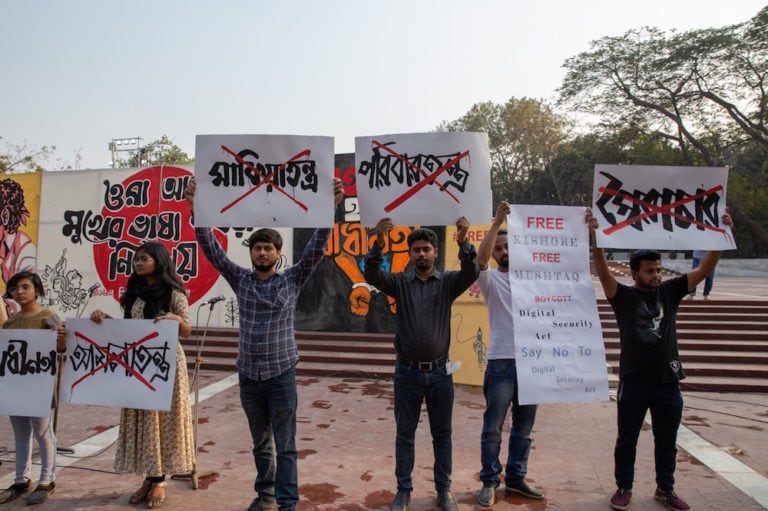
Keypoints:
pixel 14 491
pixel 523 489
pixel 40 494
pixel 487 496
pixel 402 499
pixel 446 502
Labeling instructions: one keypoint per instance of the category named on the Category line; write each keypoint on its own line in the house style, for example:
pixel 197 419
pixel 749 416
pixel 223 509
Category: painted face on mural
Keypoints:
pixel 500 254
pixel 264 256
pixel 423 255
pixel 648 276
pixel 23 292
pixel 144 265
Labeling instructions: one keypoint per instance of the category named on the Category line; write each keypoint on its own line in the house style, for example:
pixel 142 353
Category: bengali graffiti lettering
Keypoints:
pixel 383 170
pixel 92 227
pixel 673 208
pixel 172 188
pixel 16 359
pixel 250 172
pixel 134 194
pixel 149 361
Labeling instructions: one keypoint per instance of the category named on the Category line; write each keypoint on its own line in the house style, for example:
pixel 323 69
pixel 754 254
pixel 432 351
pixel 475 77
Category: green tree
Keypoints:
pixel 703 89
pixel 24 157
pixel 159 151
pixel 523 136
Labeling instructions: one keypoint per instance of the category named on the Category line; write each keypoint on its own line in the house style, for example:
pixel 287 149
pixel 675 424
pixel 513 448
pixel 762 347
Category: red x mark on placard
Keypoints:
pixel 429 178
pixel 115 358
pixel 655 210
pixel 266 178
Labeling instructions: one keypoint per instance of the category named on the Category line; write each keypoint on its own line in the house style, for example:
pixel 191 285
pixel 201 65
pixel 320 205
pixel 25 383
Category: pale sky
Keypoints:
pixel 78 73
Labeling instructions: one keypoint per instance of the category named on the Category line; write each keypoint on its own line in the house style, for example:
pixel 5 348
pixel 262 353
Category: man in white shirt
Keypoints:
pixel 500 382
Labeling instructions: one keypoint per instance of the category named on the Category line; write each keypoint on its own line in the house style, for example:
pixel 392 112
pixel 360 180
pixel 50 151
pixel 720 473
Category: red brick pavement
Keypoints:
pixel 346 447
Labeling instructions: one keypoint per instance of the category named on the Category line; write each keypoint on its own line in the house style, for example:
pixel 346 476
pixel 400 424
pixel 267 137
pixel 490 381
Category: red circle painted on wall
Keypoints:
pixel 150 206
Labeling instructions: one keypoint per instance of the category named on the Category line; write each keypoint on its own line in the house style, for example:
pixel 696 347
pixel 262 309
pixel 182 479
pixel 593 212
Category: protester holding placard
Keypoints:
pixel 424 296
pixel 649 362
pixel 268 354
pixel 153 443
pixel 25 288
pixel 500 386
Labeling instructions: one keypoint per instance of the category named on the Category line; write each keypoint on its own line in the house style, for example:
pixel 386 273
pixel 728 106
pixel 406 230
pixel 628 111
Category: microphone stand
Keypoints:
pixel 61 361
pixel 193 475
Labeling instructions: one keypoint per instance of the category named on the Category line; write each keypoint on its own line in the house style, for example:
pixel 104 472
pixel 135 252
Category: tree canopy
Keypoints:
pixel 24 157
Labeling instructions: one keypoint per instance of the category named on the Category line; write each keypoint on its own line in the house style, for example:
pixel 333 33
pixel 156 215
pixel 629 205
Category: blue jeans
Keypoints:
pixel 708 282
pixel 666 404
pixel 270 406
pixel 500 390
pixel 41 429
pixel 411 388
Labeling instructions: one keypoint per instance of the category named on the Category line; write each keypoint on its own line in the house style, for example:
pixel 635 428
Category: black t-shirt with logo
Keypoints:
pixel 647 327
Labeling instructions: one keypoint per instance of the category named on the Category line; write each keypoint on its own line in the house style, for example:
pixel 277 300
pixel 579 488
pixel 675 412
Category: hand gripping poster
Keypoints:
pixel 423 178
pixel 559 347
pixel 664 208
pixel 121 362
pixel 264 180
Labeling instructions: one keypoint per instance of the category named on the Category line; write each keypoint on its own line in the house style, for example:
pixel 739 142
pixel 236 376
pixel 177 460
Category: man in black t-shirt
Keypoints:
pixel 649 363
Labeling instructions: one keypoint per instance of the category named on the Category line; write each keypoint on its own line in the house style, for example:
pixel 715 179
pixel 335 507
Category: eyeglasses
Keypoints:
pixel 23 287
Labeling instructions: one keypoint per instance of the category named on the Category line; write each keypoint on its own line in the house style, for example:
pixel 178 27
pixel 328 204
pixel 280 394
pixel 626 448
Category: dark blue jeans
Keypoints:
pixel 666 404
pixel 412 387
pixel 500 390
pixel 270 406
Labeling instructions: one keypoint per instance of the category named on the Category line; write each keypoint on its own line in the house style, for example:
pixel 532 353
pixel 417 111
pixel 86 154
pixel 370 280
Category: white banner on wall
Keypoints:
pixel 423 178
pixel 665 208
pixel 264 180
pixel 558 338
pixel 27 372
pixel 121 362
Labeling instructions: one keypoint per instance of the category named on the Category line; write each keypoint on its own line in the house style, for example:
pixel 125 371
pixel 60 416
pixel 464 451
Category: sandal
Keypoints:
pixel 40 494
pixel 14 491
pixel 155 500
pixel 142 493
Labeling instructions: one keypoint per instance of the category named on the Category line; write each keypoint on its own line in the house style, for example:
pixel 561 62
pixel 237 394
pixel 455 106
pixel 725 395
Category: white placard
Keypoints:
pixel 264 180
pixel 121 362
pixel 27 371
pixel 558 338
pixel 655 207
pixel 423 178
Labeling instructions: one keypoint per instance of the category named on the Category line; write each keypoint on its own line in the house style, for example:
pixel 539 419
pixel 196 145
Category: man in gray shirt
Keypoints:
pixel 424 296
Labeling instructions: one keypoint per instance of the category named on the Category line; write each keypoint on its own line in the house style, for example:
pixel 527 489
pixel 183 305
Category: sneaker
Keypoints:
pixel 40 494
pixel 487 496
pixel 620 499
pixel 14 491
pixel 672 501
pixel 446 502
pixel 523 489
pixel 402 499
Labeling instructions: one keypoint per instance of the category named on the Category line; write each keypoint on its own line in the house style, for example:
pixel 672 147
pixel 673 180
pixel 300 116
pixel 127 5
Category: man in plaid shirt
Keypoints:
pixel 268 355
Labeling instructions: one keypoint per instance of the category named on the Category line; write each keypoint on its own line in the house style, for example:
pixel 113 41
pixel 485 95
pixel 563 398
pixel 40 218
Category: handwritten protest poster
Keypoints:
pixel 121 362
pixel 558 339
pixel 27 372
pixel 264 180
pixel 673 208
pixel 423 178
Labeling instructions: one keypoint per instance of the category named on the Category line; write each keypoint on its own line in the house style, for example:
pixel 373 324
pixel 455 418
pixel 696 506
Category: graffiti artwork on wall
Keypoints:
pixel 19 197
pixel 93 222
pixel 63 287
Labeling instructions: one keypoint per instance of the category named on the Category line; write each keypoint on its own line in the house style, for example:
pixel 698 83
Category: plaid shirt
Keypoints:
pixel 267 307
